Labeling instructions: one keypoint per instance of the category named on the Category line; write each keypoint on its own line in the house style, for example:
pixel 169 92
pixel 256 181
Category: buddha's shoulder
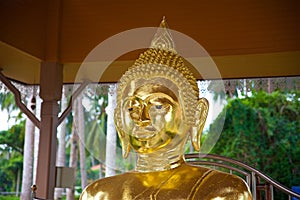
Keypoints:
pixel 218 183
pixel 216 176
pixel 108 182
pixel 103 186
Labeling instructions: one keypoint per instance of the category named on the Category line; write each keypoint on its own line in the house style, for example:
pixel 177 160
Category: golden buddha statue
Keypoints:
pixel 158 108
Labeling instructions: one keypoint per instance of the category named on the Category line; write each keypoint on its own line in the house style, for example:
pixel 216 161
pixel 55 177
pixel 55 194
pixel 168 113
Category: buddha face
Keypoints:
pixel 152 119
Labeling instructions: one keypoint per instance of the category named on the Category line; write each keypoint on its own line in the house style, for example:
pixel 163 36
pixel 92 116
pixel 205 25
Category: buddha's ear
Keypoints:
pixel 201 115
pixel 124 139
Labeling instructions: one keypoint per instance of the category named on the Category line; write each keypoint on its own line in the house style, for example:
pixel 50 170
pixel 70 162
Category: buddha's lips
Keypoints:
pixel 144 132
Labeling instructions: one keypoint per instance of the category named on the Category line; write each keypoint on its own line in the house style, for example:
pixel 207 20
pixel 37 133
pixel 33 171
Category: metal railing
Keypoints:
pixel 261 185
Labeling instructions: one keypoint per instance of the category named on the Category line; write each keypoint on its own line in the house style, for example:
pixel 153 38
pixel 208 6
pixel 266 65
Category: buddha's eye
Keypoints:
pixel 158 106
pixel 130 109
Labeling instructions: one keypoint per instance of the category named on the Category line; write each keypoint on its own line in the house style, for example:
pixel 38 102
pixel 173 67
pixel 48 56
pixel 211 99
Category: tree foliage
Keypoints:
pixel 11 156
pixel 263 131
pixel 8 103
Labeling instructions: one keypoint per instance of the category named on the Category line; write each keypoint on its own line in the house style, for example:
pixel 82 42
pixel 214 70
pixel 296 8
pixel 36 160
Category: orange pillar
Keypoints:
pixel 50 92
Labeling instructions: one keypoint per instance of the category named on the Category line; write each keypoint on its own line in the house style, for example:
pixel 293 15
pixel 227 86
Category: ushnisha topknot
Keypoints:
pixel 162 61
pixel 167 58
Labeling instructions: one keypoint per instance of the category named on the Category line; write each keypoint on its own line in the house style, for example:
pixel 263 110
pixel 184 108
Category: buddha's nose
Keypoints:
pixel 144 118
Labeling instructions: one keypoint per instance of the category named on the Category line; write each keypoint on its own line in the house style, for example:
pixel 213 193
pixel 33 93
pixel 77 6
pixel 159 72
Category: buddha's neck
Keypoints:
pixel 159 161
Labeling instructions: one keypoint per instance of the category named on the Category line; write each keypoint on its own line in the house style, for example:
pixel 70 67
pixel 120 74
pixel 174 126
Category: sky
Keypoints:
pixel 3 120
pixel 4 124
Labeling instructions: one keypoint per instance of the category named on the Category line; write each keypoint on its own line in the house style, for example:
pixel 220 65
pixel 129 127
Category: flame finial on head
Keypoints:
pixel 163 38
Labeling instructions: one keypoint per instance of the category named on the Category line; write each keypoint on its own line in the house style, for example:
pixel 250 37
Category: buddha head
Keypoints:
pixel 158 104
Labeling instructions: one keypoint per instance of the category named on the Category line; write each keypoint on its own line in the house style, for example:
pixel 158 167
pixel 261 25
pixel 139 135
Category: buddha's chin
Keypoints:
pixel 149 144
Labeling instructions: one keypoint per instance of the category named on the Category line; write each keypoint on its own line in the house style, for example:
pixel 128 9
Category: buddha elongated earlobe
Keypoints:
pixel 124 139
pixel 196 132
pixel 203 106
pixel 124 143
pixel 125 147
pixel 194 138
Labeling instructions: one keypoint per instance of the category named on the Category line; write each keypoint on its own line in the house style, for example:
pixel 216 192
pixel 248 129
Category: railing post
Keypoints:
pixel 253 185
pixel 271 192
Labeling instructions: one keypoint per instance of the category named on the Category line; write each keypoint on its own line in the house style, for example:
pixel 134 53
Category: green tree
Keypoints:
pixel 263 131
pixel 96 127
pixel 11 145
pixel 11 156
